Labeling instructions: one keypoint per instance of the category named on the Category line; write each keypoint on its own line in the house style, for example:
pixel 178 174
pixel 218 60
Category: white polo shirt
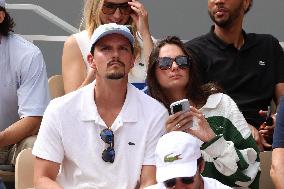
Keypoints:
pixel 23 80
pixel 70 135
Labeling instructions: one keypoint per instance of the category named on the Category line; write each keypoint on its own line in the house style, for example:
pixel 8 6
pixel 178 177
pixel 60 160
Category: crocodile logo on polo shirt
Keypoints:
pixel 261 63
pixel 131 143
pixel 169 158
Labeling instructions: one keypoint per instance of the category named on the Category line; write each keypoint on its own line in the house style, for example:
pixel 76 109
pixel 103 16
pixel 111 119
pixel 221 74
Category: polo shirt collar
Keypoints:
pixel 211 36
pixel 213 101
pixel 89 111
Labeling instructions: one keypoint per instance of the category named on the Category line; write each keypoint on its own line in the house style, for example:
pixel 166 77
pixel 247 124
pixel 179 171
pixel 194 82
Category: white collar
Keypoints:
pixel 89 112
pixel 213 101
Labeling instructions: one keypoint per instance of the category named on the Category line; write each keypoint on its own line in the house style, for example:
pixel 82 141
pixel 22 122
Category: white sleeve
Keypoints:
pixel 33 93
pixel 157 130
pixel 48 144
pixel 234 153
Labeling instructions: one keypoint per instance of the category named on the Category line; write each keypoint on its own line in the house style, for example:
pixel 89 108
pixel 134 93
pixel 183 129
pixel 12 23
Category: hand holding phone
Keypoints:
pixel 181 105
pixel 268 118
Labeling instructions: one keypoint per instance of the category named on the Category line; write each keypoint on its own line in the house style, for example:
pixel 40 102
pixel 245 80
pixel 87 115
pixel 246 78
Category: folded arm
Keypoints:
pixel 20 130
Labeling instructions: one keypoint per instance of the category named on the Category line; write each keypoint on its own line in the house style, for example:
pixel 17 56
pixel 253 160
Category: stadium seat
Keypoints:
pixel 56 87
pixel 24 170
pixel 265 181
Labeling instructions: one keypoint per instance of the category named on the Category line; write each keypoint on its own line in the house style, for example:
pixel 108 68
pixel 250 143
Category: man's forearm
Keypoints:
pixel 148 176
pixel 277 168
pixel 19 130
pixel 46 183
pixel 276 178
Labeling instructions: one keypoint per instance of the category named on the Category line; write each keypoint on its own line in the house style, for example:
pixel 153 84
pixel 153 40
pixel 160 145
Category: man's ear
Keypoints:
pixel 2 16
pixel 246 4
pixel 91 62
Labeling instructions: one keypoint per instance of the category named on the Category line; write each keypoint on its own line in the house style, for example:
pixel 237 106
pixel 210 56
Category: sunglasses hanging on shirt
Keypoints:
pixel 108 154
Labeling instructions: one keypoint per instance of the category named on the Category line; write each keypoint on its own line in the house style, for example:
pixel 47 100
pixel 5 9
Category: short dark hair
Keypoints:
pixel 196 92
pixel 8 23
pixel 249 7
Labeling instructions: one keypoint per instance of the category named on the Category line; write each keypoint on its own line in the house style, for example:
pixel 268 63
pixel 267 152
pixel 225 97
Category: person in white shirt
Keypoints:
pixel 179 164
pixel 102 135
pixel 24 93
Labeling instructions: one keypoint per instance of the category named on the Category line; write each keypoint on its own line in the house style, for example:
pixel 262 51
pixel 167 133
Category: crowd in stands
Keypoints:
pixel 201 124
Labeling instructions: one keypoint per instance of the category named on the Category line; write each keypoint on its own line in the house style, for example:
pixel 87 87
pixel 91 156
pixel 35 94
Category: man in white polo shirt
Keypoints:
pixel 24 91
pixel 104 134
pixel 180 164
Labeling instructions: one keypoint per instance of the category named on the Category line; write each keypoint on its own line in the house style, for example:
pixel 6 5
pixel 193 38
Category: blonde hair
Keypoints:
pixel 91 20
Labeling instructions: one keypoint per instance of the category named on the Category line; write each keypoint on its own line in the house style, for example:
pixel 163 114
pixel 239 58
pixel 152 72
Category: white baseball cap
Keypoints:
pixel 176 156
pixel 107 29
pixel 2 3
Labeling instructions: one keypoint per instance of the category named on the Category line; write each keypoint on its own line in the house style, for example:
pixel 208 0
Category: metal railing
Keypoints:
pixel 53 19
pixel 48 16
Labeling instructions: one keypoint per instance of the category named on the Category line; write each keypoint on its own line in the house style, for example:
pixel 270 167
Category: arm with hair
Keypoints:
pixel 277 167
pixel 20 130
pixel 74 71
pixel 232 156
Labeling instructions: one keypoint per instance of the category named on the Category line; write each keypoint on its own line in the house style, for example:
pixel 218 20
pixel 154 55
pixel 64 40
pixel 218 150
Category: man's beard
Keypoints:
pixel 226 23
pixel 222 23
pixel 115 76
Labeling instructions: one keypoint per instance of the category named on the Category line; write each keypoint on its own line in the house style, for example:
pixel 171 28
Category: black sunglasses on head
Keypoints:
pixel 110 8
pixel 182 61
pixel 172 182
pixel 108 154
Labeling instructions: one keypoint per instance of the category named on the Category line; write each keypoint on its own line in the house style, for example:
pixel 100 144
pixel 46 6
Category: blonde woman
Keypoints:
pixel 75 70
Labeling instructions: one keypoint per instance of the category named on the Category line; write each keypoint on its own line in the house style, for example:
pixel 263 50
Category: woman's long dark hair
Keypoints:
pixel 196 92
pixel 7 25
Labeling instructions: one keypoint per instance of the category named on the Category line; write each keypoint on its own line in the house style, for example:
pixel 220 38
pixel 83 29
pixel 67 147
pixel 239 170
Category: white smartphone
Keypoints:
pixel 181 105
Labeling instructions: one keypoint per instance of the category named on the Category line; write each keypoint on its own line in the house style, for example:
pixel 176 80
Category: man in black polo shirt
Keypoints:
pixel 249 67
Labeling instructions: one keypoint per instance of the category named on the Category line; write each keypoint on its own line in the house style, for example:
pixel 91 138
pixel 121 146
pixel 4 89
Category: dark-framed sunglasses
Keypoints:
pixel 108 154
pixel 110 8
pixel 182 61
pixel 172 182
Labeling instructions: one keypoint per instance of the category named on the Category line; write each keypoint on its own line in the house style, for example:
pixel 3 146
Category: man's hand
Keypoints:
pixel 267 130
pixel 260 140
